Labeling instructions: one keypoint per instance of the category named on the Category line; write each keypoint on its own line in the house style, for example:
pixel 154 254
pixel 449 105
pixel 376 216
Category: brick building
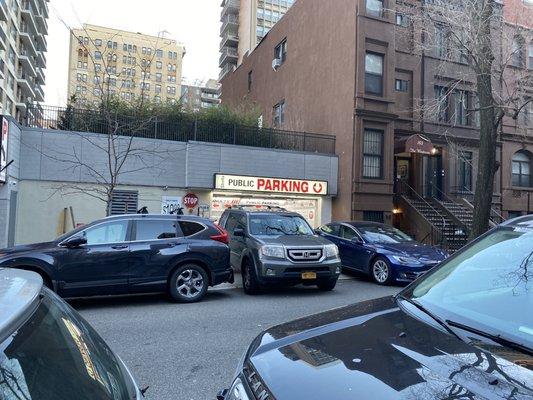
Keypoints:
pixel 350 68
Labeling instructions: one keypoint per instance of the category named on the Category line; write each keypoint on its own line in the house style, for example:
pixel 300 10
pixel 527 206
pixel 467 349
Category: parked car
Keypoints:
pixel 273 246
pixel 49 352
pixel 462 331
pixel 139 253
pixel 384 253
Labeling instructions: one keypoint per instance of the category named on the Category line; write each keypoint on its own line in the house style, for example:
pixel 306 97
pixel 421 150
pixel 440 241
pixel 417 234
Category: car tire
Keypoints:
pixel 327 286
pixel 188 284
pixel 381 272
pixel 250 283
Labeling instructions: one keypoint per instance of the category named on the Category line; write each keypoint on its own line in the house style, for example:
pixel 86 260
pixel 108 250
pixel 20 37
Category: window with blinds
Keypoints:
pixel 124 202
pixel 373 154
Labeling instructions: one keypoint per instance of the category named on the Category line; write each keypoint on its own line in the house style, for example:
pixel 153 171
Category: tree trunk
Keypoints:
pixel 488 127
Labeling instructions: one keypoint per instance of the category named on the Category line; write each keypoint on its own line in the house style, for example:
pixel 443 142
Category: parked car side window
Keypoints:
pixel 348 233
pixel 110 232
pixel 235 221
pixel 155 229
pixel 190 228
pixel 331 229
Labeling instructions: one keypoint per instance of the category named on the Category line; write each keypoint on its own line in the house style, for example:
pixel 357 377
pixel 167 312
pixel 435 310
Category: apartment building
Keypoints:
pixel 23 31
pixel 199 96
pixel 244 24
pixel 109 62
pixel 350 68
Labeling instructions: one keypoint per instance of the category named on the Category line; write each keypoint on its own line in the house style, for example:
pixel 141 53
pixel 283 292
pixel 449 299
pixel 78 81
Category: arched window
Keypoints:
pixel 522 169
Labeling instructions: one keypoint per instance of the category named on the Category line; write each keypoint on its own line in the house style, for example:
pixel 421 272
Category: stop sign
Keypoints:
pixel 190 200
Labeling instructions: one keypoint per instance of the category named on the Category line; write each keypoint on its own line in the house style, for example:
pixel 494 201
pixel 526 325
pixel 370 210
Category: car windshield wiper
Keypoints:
pixel 430 314
pixel 496 338
pixel 275 228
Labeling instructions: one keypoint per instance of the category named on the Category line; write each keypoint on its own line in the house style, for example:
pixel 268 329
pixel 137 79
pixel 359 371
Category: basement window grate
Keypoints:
pixel 124 202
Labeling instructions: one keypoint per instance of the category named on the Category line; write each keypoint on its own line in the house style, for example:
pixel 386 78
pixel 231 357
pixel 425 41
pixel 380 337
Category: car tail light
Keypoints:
pixel 223 237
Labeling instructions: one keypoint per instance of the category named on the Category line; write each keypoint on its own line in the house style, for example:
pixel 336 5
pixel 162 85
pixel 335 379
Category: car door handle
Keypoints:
pixel 120 247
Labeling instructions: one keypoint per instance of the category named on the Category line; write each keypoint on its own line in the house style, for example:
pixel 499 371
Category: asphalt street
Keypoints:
pixel 189 352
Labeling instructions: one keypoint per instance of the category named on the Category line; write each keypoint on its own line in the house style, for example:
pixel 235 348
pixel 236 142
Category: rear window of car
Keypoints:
pixel 190 228
pixel 156 229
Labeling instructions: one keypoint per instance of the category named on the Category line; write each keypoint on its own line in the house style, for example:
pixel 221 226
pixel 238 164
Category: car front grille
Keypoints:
pixel 304 255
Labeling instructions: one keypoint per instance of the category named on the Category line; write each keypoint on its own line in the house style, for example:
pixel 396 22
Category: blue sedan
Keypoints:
pixel 385 253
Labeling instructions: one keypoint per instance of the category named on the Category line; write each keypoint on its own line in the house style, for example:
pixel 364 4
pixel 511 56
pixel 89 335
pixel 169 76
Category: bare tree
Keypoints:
pixel 120 123
pixel 488 57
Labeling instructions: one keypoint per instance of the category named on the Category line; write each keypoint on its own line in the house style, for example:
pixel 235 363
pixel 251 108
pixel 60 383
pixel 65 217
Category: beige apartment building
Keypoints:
pixel 244 24
pixel 106 62
pixel 23 30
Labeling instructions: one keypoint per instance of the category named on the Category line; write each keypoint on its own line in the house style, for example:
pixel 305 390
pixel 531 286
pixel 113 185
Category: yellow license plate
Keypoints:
pixel 308 275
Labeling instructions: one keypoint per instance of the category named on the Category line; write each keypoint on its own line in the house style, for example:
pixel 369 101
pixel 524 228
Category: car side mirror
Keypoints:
pixel 75 241
pixel 239 232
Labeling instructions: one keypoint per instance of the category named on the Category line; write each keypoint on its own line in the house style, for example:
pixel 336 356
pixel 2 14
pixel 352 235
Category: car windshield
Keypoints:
pixel 55 355
pixel 488 286
pixel 383 234
pixel 275 225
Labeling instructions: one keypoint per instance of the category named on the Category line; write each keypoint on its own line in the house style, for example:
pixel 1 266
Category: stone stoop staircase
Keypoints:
pixel 461 212
pixel 455 236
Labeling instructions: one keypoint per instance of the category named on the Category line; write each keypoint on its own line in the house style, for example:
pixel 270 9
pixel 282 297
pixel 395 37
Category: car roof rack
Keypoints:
pixel 258 207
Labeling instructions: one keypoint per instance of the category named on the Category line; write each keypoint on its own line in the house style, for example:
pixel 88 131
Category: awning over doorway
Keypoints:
pixel 414 144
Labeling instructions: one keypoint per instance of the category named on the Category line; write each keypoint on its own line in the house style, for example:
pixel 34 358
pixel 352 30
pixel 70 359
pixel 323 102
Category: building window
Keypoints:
pixel 97 55
pixel 460 103
pixel 374 216
pixel 522 169
pixel 373 154
pixel 465 171
pixel 402 85
pixel 402 20
pixel 280 52
pixel 98 42
pixel 441 100
pixel 530 56
pixel 250 80
pixel 374 8
pixel 374 74
pixel 279 114
pixel 517 52
pixel 159 65
pixel 442 41
pixel 159 53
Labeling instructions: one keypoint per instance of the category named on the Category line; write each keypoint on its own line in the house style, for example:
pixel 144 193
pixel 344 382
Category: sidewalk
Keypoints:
pixel 238 282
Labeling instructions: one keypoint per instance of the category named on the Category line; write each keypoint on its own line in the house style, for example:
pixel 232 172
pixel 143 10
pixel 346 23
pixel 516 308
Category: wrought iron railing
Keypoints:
pixel 182 128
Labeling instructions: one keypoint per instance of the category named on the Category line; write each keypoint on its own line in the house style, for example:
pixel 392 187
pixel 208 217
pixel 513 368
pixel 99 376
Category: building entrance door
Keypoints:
pixel 433 179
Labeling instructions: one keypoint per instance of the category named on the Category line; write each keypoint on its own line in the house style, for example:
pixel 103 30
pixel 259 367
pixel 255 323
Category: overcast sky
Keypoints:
pixel 192 22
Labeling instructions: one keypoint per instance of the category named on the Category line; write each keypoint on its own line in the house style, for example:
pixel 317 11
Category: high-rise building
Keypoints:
pixel 197 96
pixel 23 30
pixel 106 62
pixel 244 24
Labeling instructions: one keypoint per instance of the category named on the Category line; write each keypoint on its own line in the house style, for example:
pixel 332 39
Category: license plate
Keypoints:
pixel 308 275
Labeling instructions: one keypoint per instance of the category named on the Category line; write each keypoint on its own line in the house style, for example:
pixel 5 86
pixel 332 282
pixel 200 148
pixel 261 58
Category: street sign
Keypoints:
pixel 170 204
pixel 190 200
pixel 270 185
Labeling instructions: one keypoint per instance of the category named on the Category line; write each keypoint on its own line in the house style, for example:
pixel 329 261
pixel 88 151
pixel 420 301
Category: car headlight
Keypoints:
pixel 404 260
pixel 273 251
pixel 237 391
pixel 332 251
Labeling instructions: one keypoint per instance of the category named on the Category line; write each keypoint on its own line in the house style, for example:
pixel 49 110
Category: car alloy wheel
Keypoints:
pixel 190 283
pixel 381 271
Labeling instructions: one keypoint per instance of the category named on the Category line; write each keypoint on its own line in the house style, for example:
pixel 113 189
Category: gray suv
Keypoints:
pixel 274 246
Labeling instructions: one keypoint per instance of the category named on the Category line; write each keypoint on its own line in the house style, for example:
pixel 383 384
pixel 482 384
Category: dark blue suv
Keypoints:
pixel 180 255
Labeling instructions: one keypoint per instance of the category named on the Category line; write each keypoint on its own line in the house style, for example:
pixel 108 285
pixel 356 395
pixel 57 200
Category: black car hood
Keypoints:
pixel 374 350
pixel 295 240
pixel 27 247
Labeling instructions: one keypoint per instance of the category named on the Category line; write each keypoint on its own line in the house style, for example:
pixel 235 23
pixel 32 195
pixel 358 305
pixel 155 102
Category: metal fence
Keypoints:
pixel 181 128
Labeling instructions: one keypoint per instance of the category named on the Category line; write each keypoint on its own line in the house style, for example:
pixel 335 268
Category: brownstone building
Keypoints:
pixel 350 68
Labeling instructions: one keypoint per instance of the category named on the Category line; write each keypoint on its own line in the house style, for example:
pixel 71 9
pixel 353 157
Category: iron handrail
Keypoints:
pixel 417 195
pixel 493 211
